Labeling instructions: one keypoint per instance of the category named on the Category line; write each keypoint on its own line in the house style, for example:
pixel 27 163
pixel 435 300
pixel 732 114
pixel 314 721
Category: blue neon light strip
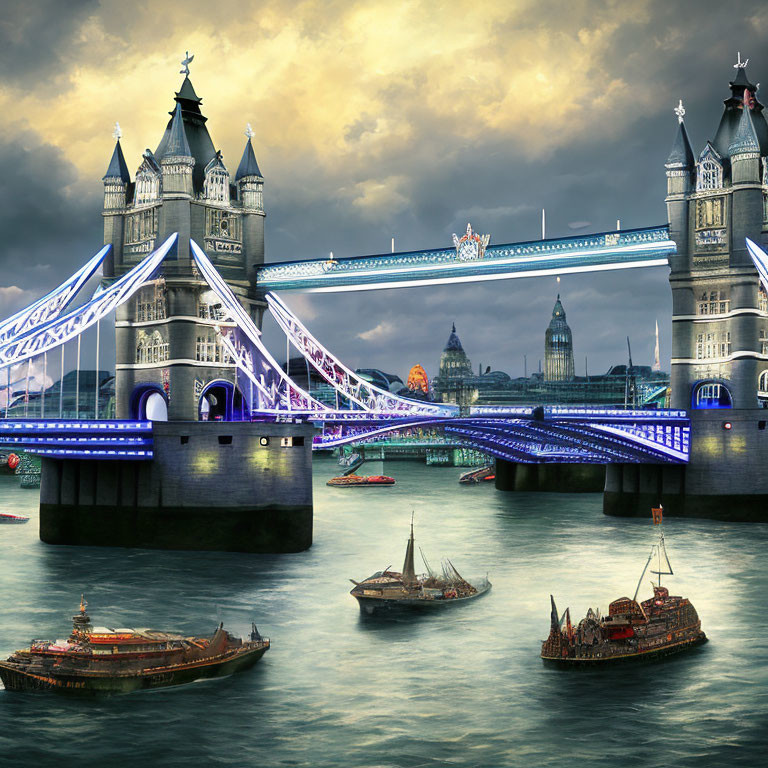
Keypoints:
pixel 609 250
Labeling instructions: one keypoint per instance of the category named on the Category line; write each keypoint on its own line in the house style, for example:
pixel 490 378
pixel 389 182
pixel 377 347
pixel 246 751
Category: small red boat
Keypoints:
pixel 7 517
pixel 366 480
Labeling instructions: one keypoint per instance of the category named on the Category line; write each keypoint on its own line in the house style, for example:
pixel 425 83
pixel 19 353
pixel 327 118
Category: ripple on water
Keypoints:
pixel 462 688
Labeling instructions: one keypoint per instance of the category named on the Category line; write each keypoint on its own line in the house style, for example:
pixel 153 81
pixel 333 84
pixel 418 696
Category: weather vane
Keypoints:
pixel 117 133
pixel 680 111
pixel 739 63
pixel 185 62
pixel 249 132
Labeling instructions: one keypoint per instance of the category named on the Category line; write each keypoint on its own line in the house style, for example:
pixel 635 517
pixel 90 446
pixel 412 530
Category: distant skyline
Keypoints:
pixel 381 119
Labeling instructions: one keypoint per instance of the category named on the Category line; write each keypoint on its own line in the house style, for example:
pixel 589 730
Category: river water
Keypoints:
pixel 463 687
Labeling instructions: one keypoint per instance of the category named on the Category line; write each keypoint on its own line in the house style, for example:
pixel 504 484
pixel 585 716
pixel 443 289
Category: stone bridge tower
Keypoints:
pixel 719 323
pixel 168 356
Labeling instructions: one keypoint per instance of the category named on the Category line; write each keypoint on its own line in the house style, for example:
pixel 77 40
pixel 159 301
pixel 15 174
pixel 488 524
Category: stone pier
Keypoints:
pixel 224 486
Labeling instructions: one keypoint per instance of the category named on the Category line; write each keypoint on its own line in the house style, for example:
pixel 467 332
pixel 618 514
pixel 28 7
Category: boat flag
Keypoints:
pixel 657 514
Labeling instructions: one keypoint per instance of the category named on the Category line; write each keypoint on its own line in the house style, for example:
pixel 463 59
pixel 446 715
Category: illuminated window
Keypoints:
pixel 710 394
pixel 763 383
pixel 762 299
pixel 710 212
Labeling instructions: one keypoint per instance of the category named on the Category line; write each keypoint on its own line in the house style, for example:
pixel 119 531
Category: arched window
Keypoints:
pixel 148 179
pixel 709 170
pixel 216 187
pixel 762 386
pixel 711 394
pixel 151 348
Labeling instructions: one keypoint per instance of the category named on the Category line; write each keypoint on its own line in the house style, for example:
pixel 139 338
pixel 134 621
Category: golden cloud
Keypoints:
pixel 345 82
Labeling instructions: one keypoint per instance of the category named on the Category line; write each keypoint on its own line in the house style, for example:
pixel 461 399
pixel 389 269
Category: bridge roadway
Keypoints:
pixel 519 434
pixel 623 249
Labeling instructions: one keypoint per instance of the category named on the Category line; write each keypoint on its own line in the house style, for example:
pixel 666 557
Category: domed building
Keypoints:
pixel 558 347
pixel 455 367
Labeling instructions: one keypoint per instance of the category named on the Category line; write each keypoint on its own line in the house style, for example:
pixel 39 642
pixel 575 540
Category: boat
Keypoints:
pixel 662 625
pixel 97 660
pixel 7 517
pixel 365 480
pixel 476 476
pixel 392 589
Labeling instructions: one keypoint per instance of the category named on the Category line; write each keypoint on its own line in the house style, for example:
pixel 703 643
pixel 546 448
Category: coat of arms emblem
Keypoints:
pixel 471 246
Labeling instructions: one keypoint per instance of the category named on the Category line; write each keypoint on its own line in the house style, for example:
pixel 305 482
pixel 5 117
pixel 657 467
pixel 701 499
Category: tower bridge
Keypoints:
pixel 207 419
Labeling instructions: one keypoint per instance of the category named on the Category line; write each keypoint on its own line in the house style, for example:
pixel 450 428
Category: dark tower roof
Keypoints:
pixel 117 166
pixel 744 138
pixel 177 144
pixel 558 313
pixel 199 141
pixel 453 344
pixel 732 115
pixel 681 154
pixel 248 165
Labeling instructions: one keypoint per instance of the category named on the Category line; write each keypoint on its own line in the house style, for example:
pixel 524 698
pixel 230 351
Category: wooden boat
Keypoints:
pixel 361 480
pixel 662 625
pixel 103 660
pixel 8 518
pixel 390 589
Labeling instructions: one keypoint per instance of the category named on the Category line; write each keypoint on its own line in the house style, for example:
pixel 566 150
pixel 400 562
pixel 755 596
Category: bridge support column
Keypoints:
pixel 725 478
pixel 558 478
pixel 223 486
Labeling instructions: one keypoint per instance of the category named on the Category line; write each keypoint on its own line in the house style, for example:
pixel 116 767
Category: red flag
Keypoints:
pixel 657 514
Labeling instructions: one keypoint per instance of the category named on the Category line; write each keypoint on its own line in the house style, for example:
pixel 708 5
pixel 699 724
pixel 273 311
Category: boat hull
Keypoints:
pixel 17 679
pixel 370 605
pixel 630 658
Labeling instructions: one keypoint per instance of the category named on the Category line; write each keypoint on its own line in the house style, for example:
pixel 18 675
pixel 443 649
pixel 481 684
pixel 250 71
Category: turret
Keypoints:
pixel 680 168
pixel 117 178
pixel 177 161
pixel 250 193
pixel 116 182
pixel 250 182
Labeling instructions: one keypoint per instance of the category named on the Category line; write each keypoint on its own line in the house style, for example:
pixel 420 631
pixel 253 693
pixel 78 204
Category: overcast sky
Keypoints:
pixel 379 119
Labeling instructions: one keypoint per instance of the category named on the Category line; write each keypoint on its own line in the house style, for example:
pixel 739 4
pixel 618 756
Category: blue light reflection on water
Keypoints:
pixel 462 688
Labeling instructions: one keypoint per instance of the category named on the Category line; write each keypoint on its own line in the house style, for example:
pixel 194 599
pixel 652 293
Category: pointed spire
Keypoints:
pixel 744 140
pixel 118 169
pixel 681 155
pixel 177 145
pixel 248 165
pixel 187 92
pixel 558 313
